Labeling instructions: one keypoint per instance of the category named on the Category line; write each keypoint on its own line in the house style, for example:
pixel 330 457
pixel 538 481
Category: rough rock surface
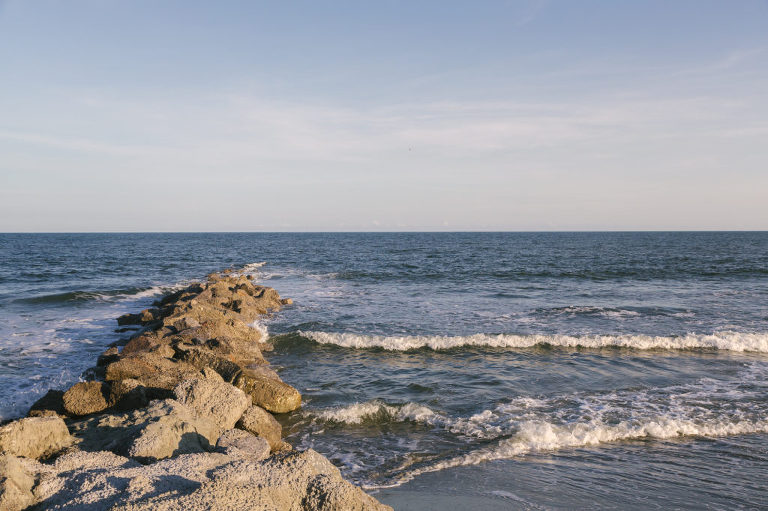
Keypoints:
pixel 34 437
pixel 195 482
pixel 261 423
pixel 272 395
pixel 151 370
pixel 16 483
pixel 85 398
pixel 163 429
pixel 236 442
pixel 51 404
pixel 216 401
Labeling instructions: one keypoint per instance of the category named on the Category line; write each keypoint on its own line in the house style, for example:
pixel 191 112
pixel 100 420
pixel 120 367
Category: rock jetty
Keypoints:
pixel 178 416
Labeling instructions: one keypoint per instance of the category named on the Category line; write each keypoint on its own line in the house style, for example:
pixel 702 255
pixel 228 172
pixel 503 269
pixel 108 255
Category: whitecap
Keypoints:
pixel 725 340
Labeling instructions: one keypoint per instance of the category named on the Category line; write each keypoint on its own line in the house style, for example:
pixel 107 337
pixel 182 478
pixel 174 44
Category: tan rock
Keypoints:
pixel 34 437
pixel 239 443
pixel 216 401
pixel 151 370
pixel 128 394
pixel 163 429
pixel 272 395
pixel 16 484
pixel 295 481
pixel 85 398
pixel 261 423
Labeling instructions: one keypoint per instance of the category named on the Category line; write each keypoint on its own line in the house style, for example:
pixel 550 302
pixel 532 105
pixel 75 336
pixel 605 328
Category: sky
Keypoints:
pixel 162 115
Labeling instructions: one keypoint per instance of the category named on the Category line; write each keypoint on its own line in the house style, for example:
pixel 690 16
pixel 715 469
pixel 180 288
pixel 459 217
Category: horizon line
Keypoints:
pixel 489 231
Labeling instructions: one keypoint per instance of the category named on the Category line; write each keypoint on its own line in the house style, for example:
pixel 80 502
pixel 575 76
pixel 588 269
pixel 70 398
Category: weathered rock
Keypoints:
pixel 110 355
pixel 151 370
pixel 34 437
pixel 261 423
pixel 161 430
pixel 16 484
pixel 210 374
pixel 202 358
pixel 261 370
pixel 239 443
pixel 51 404
pixel 214 400
pixel 85 398
pixel 143 318
pixel 272 395
pixel 128 394
pixel 196 482
pixel 286 301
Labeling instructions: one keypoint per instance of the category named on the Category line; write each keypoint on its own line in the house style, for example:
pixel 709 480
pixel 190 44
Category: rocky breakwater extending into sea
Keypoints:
pixel 178 416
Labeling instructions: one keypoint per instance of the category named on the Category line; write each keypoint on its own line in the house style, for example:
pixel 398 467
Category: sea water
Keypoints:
pixel 477 370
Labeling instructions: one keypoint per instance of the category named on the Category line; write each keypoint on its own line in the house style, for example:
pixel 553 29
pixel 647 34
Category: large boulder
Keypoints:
pixel 34 437
pixel 163 429
pixel 151 370
pixel 216 401
pixel 16 482
pixel 261 423
pixel 85 398
pixel 272 395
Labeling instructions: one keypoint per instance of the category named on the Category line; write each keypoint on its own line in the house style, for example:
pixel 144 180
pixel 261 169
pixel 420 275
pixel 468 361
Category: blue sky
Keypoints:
pixel 294 116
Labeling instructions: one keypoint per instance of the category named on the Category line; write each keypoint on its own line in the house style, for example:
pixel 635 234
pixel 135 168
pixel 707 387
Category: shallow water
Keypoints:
pixel 536 370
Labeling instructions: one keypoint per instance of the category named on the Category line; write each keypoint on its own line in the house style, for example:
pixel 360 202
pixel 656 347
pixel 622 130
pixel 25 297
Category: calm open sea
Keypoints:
pixel 476 370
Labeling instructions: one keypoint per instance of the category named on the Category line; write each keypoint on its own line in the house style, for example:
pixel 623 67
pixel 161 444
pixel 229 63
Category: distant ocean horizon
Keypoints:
pixel 491 369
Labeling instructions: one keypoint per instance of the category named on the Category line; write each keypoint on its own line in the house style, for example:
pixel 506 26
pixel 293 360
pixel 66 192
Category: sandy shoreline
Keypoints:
pixel 179 415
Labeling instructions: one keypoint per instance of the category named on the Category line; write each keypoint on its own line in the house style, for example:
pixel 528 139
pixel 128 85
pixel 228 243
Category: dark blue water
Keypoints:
pixel 500 370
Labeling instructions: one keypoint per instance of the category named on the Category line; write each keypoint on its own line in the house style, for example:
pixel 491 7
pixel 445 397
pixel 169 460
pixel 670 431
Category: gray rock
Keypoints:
pixel 34 437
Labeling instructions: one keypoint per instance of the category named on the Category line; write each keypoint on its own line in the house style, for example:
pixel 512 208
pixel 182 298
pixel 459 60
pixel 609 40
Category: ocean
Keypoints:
pixel 471 370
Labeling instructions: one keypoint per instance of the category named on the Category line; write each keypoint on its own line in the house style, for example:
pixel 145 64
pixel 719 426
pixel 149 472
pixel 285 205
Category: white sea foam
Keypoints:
pixel 707 407
pixel 379 411
pixel 536 436
pixel 262 328
pixel 251 269
pixel 726 340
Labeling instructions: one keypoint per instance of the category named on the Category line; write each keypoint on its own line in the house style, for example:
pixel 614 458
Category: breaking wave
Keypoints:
pixel 525 425
pixel 726 340
pixel 114 295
